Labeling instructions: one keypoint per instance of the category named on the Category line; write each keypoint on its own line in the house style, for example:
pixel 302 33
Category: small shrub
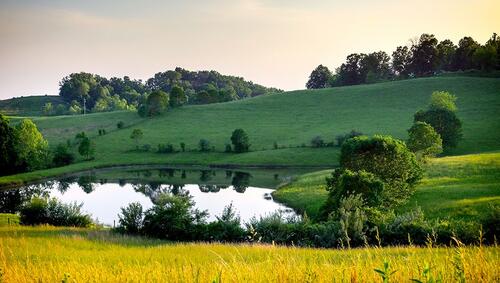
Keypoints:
pixel 423 140
pixel 62 156
pixel 130 219
pixel 317 142
pixel 166 148
pixel 228 148
pixel 174 217
pixel 51 211
pixel 410 226
pixel 183 147
pixel 344 183
pixel 86 148
pixel 120 125
pixel 240 141
pixel 352 219
pixel 275 145
pixel 226 228
pixel 34 212
pixel 275 228
pixel 204 145
pixel 491 223
pixel 342 138
pixel 136 135
pixel 146 147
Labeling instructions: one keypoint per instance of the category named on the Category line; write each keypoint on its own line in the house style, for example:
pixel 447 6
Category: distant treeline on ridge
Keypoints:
pixel 425 57
pixel 98 94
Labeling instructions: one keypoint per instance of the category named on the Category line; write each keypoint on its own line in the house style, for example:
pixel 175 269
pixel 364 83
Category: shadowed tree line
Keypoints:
pixel 425 56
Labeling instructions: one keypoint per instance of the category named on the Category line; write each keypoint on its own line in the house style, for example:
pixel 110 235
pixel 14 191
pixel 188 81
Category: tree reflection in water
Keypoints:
pixel 241 181
pixel 87 182
pixel 12 200
pixel 211 188
pixel 155 189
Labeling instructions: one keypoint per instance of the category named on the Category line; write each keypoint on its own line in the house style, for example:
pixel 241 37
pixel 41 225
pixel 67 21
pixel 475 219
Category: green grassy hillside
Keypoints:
pixel 291 119
pixel 29 105
pixel 459 187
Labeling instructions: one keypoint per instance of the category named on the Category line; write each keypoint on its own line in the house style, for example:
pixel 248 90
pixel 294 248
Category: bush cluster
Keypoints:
pixel 319 141
pixel 53 212
pixel 173 217
pixel 166 148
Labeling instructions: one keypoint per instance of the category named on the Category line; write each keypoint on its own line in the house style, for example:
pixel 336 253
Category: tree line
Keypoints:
pixel 426 56
pixel 93 93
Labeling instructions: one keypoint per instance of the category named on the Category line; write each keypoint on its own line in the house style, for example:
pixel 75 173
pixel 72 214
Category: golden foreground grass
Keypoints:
pixel 48 254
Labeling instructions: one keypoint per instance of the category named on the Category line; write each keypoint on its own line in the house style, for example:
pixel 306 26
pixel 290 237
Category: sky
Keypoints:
pixel 271 42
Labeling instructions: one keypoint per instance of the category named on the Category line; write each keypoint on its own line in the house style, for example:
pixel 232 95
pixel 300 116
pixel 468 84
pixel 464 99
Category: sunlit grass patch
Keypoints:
pixel 49 254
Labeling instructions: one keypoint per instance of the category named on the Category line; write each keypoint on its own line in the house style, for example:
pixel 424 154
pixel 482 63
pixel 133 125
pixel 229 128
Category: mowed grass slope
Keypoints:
pixel 457 187
pixel 47 254
pixel 291 119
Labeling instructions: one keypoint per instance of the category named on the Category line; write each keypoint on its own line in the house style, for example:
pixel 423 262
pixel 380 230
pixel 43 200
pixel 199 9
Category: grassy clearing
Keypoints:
pixel 48 254
pixel 291 119
pixel 455 187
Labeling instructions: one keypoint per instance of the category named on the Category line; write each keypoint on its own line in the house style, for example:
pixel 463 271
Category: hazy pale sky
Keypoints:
pixel 271 42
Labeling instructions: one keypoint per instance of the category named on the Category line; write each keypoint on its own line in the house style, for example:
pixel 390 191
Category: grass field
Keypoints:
pixel 47 254
pixel 291 119
pixel 459 187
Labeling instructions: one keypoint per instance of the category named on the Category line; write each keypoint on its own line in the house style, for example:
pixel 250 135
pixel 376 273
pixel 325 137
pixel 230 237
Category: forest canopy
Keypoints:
pixel 91 92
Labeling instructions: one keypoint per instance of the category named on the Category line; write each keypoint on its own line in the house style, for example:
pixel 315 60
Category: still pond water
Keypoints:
pixel 103 192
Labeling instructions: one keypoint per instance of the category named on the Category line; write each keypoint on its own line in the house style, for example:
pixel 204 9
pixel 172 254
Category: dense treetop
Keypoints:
pixel 426 56
pixel 85 91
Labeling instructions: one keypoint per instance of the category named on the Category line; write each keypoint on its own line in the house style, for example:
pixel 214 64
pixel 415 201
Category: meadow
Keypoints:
pixel 289 119
pixel 88 255
pixel 459 187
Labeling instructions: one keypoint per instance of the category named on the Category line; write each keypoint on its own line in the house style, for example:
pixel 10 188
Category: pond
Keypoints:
pixel 104 192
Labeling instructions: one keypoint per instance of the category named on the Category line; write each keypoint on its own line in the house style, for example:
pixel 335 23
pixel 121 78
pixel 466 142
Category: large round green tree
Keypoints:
pixel 441 115
pixel 423 140
pixel 157 103
pixel 31 146
pixel 240 141
pixel 386 158
pixel 177 96
pixel 8 154
pixel 319 77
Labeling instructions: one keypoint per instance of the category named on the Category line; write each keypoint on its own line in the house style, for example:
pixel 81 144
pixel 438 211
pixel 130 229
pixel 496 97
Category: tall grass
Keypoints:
pixel 48 254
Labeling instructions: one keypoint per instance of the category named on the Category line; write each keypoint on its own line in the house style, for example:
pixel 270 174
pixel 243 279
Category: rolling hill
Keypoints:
pixel 290 119
pixel 28 105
